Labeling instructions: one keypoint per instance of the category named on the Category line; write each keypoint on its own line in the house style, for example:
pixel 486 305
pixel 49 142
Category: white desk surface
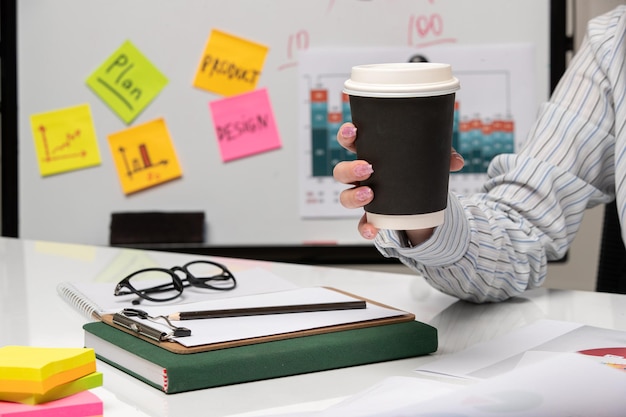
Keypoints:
pixel 31 313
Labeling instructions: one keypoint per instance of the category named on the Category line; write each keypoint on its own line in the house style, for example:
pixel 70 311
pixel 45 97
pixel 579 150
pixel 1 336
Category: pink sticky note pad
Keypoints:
pixel 84 404
pixel 244 125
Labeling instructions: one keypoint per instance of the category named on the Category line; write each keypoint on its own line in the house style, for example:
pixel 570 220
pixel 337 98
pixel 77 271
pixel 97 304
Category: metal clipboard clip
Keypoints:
pixel 124 319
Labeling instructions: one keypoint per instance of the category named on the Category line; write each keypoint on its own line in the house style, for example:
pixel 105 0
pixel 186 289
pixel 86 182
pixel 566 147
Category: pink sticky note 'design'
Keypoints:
pixel 244 125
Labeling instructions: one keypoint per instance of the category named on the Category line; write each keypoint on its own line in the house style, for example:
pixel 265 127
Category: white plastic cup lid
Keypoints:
pixel 406 79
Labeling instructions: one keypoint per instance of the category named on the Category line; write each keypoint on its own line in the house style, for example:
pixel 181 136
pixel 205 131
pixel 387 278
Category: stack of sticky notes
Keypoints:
pixel 48 381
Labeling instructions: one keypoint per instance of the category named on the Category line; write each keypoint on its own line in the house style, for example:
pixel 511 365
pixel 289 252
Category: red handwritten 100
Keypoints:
pixel 425 30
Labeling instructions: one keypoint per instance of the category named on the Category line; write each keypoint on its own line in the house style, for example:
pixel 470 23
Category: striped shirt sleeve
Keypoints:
pixel 495 244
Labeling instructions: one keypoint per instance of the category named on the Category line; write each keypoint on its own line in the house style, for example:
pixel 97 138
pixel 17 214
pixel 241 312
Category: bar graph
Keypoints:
pixel 326 151
pixel 479 140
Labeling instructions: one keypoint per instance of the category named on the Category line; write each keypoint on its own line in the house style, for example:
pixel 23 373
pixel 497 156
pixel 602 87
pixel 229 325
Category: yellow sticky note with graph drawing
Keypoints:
pixel 144 156
pixel 65 140
pixel 230 65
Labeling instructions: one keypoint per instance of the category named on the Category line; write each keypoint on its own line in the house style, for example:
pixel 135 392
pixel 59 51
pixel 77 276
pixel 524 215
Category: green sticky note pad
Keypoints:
pixel 127 82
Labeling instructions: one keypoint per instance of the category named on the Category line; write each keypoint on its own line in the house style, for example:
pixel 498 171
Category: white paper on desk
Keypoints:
pixel 564 385
pixel 206 331
pixel 568 384
pixel 506 352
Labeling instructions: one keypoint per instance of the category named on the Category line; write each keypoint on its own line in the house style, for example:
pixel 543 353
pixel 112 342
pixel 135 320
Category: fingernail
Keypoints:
pixel 364 194
pixel 363 170
pixel 367 234
pixel 348 132
pixel 458 156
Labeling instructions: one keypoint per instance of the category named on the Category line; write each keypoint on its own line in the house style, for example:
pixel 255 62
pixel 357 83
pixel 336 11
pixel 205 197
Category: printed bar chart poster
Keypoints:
pixel 494 110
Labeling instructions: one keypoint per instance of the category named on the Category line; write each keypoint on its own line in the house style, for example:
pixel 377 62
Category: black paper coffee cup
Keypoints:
pixel 404 114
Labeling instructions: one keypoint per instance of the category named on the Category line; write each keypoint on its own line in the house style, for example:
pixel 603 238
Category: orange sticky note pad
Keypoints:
pixel 144 156
pixel 65 140
pixel 229 65
pixel 244 125
pixel 75 386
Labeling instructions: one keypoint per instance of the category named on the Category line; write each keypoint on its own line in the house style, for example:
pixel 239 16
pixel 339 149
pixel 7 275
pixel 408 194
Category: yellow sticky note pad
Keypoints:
pixel 230 65
pixel 38 369
pixel 144 156
pixel 127 82
pixel 65 140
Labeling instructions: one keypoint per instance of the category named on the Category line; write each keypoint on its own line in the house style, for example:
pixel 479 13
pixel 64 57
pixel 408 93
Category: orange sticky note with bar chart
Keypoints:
pixel 230 65
pixel 144 156
pixel 65 140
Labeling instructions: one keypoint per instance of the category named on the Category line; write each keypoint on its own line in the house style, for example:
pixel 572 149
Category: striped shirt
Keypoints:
pixel 496 244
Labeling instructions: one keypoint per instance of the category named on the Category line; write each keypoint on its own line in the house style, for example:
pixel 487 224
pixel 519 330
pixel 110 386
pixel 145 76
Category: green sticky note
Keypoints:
pixel 127 82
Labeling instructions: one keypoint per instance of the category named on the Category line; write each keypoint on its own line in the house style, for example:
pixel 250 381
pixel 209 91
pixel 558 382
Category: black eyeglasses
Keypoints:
pixel 162 284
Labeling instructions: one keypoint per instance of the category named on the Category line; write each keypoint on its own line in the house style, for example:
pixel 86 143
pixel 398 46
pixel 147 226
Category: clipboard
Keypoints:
pixel 175 347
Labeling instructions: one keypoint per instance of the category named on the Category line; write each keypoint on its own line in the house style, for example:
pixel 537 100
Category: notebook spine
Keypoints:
pixel 79 301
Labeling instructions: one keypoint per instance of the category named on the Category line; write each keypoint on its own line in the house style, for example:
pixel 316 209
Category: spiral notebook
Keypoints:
pixel 93 299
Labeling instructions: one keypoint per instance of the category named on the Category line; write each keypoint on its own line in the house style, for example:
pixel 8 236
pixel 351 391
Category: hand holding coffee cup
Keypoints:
pixel 354 171
pixel 403 114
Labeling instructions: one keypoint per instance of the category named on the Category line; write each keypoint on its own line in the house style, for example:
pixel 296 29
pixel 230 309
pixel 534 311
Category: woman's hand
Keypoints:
pixel 353 172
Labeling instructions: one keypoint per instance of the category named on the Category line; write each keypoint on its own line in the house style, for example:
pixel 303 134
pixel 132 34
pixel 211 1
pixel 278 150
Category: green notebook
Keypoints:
pixel 172 372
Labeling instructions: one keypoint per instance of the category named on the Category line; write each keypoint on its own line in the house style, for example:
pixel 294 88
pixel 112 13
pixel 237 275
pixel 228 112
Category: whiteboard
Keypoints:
pixel 251 201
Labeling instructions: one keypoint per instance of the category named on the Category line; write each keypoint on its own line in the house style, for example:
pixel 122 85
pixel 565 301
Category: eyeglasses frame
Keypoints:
pixel 124 287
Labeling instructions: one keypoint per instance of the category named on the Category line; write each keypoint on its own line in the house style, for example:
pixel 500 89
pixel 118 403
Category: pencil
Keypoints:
pixel 259 311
